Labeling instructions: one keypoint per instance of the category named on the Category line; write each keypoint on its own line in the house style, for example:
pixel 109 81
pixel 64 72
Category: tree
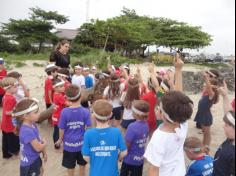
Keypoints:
pixel 131 34
pixel 36 29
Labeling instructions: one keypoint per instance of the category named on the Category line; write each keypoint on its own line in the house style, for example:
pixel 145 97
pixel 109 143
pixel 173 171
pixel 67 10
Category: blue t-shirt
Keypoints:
pixel 103 147
pixel 88 82
pixel 28 154
pixel 74 122
pixel 202 167
pixel 137 136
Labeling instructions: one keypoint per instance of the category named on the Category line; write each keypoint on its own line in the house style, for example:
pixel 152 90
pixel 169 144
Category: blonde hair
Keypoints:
pixel 102 108
pixel 7 81
pixel 141 106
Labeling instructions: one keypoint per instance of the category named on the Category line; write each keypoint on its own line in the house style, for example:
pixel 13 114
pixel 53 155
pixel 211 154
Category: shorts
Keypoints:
pixel 117 113
pixel 71 158
pixel 131 170
pixel 33 169
pixel 125 123
pixel 204 120
pixel 10 145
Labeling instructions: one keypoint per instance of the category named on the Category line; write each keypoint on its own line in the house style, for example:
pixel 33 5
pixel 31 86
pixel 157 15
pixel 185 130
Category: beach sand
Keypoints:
pixel 34 77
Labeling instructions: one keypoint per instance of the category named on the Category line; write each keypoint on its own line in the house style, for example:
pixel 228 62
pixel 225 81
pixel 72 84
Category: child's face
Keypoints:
pixel 54 74
pixel 86 73
pixel 13 89
pixel 190 155
pixel 78 71
pixel 229 131
pixel 1 66
pixel 60 89
pixel 33 116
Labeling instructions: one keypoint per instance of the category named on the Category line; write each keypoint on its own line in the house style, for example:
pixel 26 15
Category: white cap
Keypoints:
pixel 86 69
pixel 78 67
pixel 50 66
pixel 1 59
pixel 94 68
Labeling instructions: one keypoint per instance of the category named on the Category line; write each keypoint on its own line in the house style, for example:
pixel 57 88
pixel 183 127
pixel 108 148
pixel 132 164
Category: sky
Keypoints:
pixel 216 17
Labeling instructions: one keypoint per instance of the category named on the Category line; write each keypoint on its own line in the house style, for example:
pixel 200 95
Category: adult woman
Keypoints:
pixel 60 55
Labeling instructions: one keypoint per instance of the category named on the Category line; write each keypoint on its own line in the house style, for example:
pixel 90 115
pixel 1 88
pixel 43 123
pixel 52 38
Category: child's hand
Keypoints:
pixel 58 143
pixel 151 68
pixel 45 157
pixel 44 142
pixel 178 63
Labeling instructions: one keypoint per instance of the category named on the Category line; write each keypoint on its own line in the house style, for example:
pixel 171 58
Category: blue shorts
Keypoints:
pixel 33 169
pixel 125 123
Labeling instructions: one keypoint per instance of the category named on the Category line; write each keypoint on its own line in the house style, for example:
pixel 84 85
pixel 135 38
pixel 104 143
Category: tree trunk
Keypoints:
pixel 40 46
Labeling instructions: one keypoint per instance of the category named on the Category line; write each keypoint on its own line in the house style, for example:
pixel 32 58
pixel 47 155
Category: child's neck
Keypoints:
pixel 102 125
pixel 76 105
pixel 9 93
pixel 169 128
pixel 199 156
pixel 27 122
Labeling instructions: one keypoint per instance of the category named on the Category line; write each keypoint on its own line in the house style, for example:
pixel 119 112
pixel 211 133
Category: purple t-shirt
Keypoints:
pixel 137 136
pixel 74 121
pixel 28 154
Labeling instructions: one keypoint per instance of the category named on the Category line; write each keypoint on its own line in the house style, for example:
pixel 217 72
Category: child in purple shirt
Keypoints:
pixel 136 139
pixel 26 112
pixel 72 125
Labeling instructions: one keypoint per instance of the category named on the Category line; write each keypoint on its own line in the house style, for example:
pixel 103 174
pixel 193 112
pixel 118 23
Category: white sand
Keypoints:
pixel 34 77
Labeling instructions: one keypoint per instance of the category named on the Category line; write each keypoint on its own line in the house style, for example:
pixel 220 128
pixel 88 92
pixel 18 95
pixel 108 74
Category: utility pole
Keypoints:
pixel 87 10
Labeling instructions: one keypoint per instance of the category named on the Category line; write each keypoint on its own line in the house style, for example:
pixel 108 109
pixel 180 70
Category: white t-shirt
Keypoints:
pixel 116 102
pixel 78 80
pixel 165 150
pixel 20 93
pixel 128 114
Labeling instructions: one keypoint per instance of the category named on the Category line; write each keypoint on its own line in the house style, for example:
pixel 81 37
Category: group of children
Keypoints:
pixel 131 122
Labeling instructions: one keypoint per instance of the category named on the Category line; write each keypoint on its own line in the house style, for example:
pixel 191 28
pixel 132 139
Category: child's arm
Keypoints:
pixel 122 155
pixel 226 103
pixel 9 113
pixel 61 136
pixel 38 146
pixel 50 96
pixel 25 89
pixel 178 73
pixel 153 170
pixel 45 155
pixel 153 77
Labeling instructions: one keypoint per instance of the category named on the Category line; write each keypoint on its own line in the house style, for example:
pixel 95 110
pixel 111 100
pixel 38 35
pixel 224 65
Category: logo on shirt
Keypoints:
pixel 102 143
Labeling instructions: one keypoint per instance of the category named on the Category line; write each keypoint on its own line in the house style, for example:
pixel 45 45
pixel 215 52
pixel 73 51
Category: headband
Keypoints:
pixel 138 112
pixel 164 86
pixel 63 75
pixel 59 84
pixel 50 66
pixel 230 118
pixel 165 114
pixel 32 108
pixel 78 67
pixel 197 149
pixel 113 68
pixel 106 75
pixel 86 69
pixel 75 97
pixel 101 117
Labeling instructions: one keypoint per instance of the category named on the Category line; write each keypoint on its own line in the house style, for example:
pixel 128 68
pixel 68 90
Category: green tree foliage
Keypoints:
pixel 36 29
pixel 131 34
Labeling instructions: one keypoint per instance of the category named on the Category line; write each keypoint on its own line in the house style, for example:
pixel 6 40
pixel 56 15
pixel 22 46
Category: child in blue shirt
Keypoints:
pixel 202 164
pixel 103 146
pixel 73 123
pixel 88 78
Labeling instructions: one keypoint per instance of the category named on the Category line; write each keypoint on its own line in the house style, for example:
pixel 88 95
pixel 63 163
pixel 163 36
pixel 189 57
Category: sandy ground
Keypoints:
pixel 34 77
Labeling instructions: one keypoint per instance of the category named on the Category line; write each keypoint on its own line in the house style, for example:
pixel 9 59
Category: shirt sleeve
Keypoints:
pixel 122 145
pixel 30 136
pixel 86 148
pixel 62 123
pixel 156 150
pixel 10 106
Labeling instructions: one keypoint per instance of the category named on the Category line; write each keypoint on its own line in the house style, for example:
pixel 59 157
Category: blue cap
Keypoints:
pixel 1 61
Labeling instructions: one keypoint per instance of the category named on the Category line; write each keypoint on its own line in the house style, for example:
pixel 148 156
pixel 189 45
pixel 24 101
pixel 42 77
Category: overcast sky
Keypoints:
pixel 217 17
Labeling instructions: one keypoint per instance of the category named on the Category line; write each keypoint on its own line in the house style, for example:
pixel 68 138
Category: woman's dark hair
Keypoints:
pixel 133 93
pixel 215 72
pixel 215 99
pixel 226 119
pixel 73 91
pixel 114 87
pixel 178 106
pixel 151 86
pixel 61 43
